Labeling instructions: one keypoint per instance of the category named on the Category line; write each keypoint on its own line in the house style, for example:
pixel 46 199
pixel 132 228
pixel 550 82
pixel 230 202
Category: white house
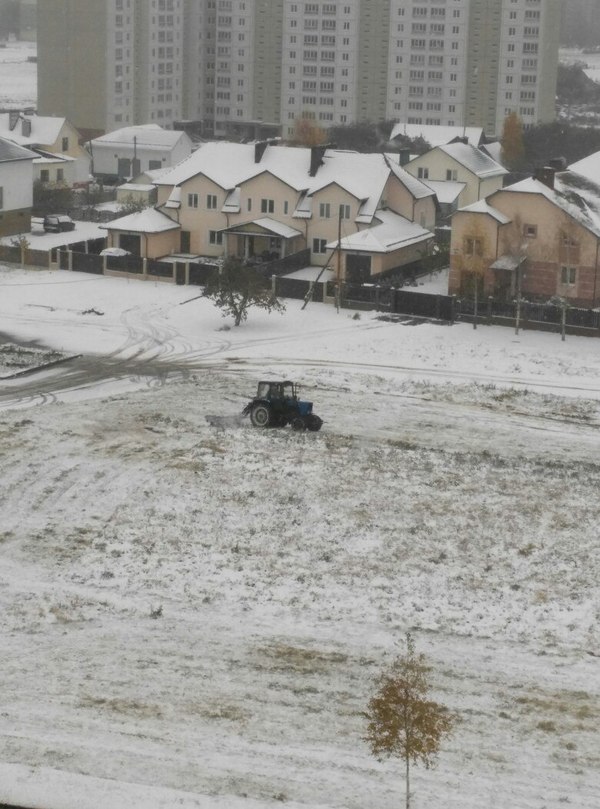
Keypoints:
pixel 16 188
pixel 126 153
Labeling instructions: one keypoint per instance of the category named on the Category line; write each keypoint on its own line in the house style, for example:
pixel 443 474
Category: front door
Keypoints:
pixel 185 241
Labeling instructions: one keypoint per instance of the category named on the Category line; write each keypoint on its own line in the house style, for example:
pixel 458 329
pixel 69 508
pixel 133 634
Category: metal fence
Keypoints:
pixel 87 262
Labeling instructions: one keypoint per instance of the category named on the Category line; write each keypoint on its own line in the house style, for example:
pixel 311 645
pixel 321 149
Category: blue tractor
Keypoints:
pixel 277 404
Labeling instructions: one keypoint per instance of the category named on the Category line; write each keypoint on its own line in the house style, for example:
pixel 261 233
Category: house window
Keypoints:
pixel 473 247
pixel 60 175
pixel 249 204
pixel 267 206
pixel 211 202
pixel 319 245
pixel 423 173
pixel 344 212
pixel 65 144
pixel 215 237
pixel 568 276
pixel 324 210
pixel 44 175
pixel 530 231
pixel 286 206
pixel 193 200
pixel 451 175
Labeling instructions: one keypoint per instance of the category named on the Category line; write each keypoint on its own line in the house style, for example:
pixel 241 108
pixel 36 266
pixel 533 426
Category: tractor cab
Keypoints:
pixel 276 390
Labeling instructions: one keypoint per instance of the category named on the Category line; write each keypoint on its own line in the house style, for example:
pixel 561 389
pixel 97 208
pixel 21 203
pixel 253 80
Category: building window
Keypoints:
pixel 530 231
pixel 324 210
pixel 211 202
pixel 319 245
pixel 473 247
pixel 193 200
pixel 249 204
pixel 451 174
pixel 344 212
pixel 60 175
pixel 267 206
pixel 65 144
pixel 423 173
pixel 568 276
pixel 44 175
pixel 215 237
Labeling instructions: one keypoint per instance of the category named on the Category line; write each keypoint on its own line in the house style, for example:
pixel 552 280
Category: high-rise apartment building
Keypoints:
pixel 248 67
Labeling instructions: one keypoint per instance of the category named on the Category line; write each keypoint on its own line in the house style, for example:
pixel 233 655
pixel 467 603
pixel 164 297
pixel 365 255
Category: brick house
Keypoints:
pixel 540 236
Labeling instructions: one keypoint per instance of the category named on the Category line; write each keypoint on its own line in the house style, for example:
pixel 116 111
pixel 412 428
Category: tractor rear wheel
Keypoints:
pixel 298 423
pixel 260 415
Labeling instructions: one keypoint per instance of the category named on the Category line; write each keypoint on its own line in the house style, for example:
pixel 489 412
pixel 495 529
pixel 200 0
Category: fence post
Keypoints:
pixel 145 268
pixel 70 255
pixel 274 285
pixel 104 262
pixel 453 310
pixel 489 309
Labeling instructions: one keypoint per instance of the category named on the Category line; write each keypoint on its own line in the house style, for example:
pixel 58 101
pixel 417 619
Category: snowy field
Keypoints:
pixel 193 615
pixel 18 77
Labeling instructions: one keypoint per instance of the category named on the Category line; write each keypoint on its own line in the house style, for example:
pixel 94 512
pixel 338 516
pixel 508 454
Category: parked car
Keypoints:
pixel 56 223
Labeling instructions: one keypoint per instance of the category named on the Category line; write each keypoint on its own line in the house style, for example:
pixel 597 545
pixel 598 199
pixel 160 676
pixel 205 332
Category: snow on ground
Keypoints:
pixel 18 77
pixel 194 615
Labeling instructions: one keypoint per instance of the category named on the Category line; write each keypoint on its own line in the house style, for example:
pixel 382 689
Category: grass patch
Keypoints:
pixel 296 659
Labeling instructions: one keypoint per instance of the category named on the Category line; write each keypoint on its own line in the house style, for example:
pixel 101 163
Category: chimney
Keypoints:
pixel 259 149
pixel 26 127
pixel 13 119
pixel 317 153
pixel 404 156
pixel 545 174
pixel 558 163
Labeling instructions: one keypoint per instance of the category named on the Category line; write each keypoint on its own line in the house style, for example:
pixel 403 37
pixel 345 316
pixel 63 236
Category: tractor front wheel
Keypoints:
pixel 260 415
pixel 314 423
pixel 298 423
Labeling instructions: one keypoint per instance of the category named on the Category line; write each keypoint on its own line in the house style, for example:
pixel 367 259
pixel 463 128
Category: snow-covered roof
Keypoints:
pixel 417 188
pixel 229 165
pixel 482 206
pixel 136 187
pixel 268 224
pixel 11 151
pixel 389 232
pixel 494 150
pixel 575 194
pixel 438 135
pixel 148 221
pixel 45 129
pixel 148 136
pixel 588 167
pixel 447 191
pixel 473 159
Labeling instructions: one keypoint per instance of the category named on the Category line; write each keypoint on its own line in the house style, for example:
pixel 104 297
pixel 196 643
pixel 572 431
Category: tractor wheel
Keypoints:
pixel 314 423
pixel 298 423
pixel 260 415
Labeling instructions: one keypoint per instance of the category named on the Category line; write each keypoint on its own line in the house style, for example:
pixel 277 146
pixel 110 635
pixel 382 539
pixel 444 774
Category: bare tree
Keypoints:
pixel 402 722
pixel 472 262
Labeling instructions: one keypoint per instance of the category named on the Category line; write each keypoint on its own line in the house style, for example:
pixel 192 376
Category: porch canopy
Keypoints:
pixel 263 227
pixel 508 262
pixel 264 238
